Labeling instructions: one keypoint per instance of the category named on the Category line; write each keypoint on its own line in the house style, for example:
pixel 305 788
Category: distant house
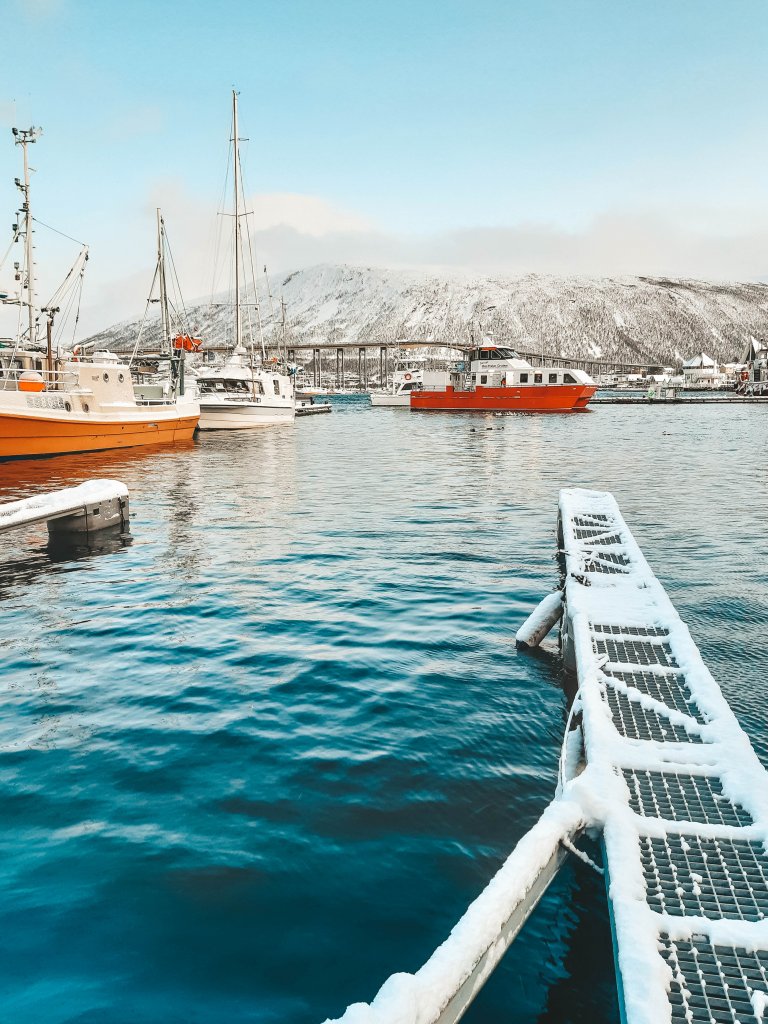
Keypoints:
pixel 701 372
pixel 754 379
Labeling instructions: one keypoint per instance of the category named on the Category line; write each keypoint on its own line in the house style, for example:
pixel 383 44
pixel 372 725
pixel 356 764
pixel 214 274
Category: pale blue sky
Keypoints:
pixel 416 119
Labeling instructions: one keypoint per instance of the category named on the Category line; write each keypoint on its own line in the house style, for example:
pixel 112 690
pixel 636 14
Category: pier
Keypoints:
pixel 655 762
pixel 83 510
pixel 683 797
pixel 731 398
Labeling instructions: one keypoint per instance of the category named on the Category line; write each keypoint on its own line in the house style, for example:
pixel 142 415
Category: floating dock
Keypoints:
pixel 656 765
pixel 309 408
pixel 679 793
pixel 82 510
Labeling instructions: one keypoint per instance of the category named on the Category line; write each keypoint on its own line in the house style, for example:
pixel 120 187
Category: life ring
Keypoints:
pixel 76 354
pixel 745 374
pixel 408 376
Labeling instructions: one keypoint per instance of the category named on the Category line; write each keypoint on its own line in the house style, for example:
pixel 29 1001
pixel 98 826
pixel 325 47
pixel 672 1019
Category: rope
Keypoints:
pixel 584 857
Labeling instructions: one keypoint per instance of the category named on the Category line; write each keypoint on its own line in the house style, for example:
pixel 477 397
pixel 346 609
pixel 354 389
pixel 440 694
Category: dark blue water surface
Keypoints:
pixel 266 754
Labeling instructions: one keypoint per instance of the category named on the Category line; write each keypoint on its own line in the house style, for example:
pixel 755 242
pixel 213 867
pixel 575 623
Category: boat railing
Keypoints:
pixel 37 381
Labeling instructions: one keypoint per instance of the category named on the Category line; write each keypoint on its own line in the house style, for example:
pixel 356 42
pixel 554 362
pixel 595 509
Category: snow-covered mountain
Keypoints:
pixel 626 319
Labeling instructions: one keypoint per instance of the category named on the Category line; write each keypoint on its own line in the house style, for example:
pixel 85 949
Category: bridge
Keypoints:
pixel 383 352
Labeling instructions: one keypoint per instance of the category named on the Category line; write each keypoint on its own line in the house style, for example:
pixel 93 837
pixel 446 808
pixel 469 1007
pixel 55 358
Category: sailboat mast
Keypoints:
pixel 23 138
pixel 164 324
pixel 236 152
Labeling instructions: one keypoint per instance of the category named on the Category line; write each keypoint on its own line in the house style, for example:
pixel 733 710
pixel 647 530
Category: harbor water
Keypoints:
pixel 264 755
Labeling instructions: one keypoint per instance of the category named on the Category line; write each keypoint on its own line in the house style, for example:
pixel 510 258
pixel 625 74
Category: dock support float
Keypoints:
pixel 541 620
pixel 72 511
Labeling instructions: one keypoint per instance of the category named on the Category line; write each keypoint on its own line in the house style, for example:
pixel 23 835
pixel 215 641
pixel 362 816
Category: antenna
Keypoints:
pixel 23 137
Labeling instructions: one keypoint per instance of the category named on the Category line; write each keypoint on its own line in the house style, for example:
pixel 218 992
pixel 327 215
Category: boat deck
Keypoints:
pixel 681 793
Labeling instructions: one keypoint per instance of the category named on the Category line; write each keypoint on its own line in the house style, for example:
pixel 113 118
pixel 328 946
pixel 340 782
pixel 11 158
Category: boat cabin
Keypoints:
pixel 495 367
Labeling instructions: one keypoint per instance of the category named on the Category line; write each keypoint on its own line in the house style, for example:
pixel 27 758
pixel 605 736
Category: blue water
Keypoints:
pixel 264 755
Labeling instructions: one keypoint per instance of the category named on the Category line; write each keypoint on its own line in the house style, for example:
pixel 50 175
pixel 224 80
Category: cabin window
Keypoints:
pixel 568 378
pixel 537 378
pixel 553 378
pixel 484 379
pixel 259 388
pixel 523 378
pixel 276 386
pixel 406 387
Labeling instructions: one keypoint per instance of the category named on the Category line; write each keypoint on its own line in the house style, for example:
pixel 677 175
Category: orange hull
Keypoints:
pixel 22 436
pixel 535 398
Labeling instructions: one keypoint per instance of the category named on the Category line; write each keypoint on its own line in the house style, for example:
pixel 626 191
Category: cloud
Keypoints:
pixel 39 10
pixel 137 121
pixel 293 231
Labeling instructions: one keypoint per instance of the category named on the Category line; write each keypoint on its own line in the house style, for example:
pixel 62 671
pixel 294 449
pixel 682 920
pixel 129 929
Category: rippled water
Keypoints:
pixel 264 756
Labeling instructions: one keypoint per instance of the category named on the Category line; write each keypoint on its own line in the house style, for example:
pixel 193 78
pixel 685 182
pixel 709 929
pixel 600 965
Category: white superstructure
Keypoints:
pixel 408 374
pixel 239 395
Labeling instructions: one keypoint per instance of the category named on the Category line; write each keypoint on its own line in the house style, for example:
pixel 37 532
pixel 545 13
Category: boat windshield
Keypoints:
pixel 229 387
pixel 492 353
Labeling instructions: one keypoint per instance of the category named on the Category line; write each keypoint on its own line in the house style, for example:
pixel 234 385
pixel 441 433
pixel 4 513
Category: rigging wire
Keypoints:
pixel 57 232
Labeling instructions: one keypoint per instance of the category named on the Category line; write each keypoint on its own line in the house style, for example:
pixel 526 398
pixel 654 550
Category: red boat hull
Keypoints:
pixel 528 398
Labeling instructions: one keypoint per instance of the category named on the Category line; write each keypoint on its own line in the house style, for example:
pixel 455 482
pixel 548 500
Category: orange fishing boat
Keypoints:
pixel 494 379
pixel 53 402
pixel 85 407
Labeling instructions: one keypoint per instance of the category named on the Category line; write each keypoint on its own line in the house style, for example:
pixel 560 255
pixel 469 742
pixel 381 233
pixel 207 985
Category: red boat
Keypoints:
pixel 494 379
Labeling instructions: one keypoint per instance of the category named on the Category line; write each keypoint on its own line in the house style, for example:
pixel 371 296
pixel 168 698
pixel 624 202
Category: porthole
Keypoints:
pixel 68 406
pixel 106 378
pixel 85 407
pixel 121 377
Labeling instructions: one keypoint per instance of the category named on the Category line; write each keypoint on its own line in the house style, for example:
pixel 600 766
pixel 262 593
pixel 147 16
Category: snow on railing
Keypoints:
pixel 442 990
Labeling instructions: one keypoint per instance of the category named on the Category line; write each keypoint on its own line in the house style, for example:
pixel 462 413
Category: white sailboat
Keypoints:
pixel 243 393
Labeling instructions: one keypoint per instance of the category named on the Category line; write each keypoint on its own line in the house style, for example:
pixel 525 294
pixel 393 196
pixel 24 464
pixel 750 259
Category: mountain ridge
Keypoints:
pixel 625 319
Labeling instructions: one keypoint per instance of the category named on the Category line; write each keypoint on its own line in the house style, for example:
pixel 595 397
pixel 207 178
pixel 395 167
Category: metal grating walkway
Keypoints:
pixel 684 799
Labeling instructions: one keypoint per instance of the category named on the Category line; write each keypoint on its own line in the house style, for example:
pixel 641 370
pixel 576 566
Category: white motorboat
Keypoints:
pixel 239 395
pixel 408 375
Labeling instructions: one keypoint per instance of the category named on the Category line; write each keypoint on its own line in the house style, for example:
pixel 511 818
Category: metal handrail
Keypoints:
pixel 53 380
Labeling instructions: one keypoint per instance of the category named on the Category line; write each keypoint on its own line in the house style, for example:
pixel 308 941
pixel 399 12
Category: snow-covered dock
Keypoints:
pixel 669 780
pixel 92 506
pixel 674 783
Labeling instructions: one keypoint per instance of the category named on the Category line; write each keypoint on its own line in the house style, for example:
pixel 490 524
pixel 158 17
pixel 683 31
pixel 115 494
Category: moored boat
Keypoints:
pixel 85 406
pixel 495 379
pixel 407 376
pixel 53 402
pixel 248 390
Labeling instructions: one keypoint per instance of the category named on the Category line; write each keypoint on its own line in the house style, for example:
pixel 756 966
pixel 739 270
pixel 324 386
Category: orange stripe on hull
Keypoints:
pixel 21 436
pixel 538 398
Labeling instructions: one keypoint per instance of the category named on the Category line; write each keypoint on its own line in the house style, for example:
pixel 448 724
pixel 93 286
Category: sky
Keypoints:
pixel 547 136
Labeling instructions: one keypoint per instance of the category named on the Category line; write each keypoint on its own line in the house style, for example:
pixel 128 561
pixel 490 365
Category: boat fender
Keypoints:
pixel 31 380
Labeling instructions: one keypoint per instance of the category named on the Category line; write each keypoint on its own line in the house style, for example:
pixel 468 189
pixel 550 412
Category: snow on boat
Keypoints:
pixel 495 379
